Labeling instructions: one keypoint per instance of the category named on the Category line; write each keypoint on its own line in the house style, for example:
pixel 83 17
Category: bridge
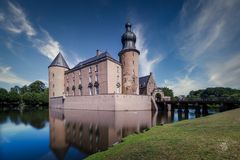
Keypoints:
pixel 200 106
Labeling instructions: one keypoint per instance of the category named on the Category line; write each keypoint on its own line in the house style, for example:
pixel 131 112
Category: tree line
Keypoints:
pixel 33 95
pixel 216 93
pixel 211 93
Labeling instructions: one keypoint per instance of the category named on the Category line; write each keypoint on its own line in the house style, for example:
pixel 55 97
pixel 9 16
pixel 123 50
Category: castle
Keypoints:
pixel 101 75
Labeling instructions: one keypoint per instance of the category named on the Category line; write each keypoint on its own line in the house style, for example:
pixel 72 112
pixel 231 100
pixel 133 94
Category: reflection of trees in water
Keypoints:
pixel 36 119
pixel 3 117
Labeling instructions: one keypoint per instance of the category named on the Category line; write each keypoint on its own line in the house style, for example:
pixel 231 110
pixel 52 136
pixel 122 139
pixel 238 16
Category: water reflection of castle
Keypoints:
pixel 92 131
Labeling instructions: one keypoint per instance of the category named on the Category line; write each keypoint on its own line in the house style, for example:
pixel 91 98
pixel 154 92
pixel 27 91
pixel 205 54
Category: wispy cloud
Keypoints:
pixel 182 85
pixel 46 45
pixel 208 39
pixel 15 21
pixel 226 72
pixel 2 17
pixel 146 64
pixel 7 76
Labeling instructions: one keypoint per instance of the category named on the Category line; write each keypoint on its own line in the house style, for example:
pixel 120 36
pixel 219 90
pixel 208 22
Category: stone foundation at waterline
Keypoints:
pixel 110 102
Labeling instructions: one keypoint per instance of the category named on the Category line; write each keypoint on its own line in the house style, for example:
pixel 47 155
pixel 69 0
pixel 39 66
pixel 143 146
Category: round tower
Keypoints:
pixel 56 72
pixel 129 58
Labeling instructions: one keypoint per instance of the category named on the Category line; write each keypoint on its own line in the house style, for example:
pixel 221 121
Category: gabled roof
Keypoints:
pixel 59 61
pixel 143 81
pixel 95 59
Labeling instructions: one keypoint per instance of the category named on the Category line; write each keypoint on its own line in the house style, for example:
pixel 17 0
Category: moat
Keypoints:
pixel 74 134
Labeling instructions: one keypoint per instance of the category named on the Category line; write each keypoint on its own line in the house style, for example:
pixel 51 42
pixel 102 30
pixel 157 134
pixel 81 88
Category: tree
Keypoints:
pixel 167 92
pixel 216 93
pixel 37 86
pixel 24 89
pixel 14 98
pixel 27 98
pixel 158 97
pixel 3 96
pixel 15 89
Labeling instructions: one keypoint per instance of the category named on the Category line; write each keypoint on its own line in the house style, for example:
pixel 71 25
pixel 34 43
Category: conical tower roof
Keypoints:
pixel 59 61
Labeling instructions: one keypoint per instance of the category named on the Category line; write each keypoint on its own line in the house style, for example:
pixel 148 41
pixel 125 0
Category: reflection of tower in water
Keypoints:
pixel 58 141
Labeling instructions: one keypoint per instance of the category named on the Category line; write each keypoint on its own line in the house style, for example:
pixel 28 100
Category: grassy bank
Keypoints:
pixel 211 137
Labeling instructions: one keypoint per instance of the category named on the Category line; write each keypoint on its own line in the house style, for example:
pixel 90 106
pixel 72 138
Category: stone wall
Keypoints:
pixel 110 102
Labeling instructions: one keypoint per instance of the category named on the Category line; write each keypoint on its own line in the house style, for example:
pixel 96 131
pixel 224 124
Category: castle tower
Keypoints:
pixel 56 76
pixel 129 58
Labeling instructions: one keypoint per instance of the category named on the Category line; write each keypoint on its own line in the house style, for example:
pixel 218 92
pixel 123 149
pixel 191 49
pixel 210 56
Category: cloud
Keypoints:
pixel 208 41
pixel 47 46
pixel 227 72
pixel 16 21
pixel 182 86
pixel 146 64
pixel 2 18
pixel 7 76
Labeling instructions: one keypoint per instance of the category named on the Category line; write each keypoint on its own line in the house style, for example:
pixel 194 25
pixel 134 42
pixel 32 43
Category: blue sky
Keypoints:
pixel 188 45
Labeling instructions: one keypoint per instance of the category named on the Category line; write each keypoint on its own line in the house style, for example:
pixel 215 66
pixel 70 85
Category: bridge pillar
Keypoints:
pixel 186 108
pixel 169 107
pixel 204 109
pixel 179 107
pixel 180 116
pixel 173 106
pixel 197 109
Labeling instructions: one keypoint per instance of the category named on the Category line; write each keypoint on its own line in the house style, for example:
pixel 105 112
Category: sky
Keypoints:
pixel 187 44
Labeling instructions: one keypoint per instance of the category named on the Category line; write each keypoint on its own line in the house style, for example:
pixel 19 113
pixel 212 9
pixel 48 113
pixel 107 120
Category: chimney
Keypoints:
pixel 98 52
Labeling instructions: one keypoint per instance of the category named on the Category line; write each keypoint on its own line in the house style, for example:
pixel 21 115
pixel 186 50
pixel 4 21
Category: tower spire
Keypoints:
pixel 128 39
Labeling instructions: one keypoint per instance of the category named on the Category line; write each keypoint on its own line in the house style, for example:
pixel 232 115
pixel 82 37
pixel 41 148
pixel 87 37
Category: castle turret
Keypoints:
pixel 56 76
pixel 129 57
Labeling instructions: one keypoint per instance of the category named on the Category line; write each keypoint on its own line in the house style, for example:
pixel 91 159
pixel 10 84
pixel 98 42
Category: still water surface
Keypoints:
pixel 73 134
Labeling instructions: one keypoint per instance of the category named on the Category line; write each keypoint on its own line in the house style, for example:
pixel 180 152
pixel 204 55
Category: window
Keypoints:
pixel 96 68
pixel 80 92
pixel 80 80
pixel 53 94
pixel 96 90
pixel 90 91
pixel 118 89
pixel 53 74
pixel 117 78
pixel 90 79
pixel 133 62
pixel 96 78
pixel 117 69
pixel 90 70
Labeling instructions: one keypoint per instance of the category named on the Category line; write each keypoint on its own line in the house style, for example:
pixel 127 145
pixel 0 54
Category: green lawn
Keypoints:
pixel 211 137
